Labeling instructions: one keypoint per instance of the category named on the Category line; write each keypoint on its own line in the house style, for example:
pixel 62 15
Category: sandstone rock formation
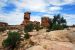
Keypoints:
pixel 26 18
pixel 45 21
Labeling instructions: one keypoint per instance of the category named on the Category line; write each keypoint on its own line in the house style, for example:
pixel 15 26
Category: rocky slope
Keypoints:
pixel 42 40
pixel 54 40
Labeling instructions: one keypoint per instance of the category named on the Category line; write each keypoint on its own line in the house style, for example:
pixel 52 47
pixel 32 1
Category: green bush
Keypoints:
pixel 54 26
pixel 37 27
pixel 28 28
pixel 57 23
pixel 41 27
pixel 57 27
pixel 12 39
pixel 65 26
pixel 2 29
pixel 26 36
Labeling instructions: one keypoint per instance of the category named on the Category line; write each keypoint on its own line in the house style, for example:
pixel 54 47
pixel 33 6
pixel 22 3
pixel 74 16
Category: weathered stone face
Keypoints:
pixel 45 21
pixel 26 18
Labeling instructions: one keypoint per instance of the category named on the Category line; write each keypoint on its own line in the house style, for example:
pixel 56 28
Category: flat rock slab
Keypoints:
pixel 32 33
pixel 36 48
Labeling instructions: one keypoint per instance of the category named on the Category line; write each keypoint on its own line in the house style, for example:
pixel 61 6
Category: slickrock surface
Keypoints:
pixel 2 37
pixel 54 40
pixel 42 40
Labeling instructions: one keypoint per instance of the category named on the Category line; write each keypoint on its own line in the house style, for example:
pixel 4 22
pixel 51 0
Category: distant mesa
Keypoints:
pixel 3 24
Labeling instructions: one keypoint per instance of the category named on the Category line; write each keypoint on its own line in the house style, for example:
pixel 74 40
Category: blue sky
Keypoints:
pixel 12 11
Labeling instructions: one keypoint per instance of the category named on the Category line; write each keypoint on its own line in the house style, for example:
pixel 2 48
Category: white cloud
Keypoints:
pixel 55 8
pixel 60 2
pixel 13 18
pixel 47 15
pixel 54 2
pixel 2 3
pixel 70 18
pixel 35 5
pixel 2 17
pixel 30 5
pixel 69 1
pixel 36 18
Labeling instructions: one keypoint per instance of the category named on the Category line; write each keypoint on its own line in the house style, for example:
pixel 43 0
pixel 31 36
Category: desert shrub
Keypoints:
pixel 54 26
pixel 61 27
pixel 26 36
pixel 37 27
pixel 28 28
pixel 65 26
pixel 11 40
pixel 57 23
pixel 57 27
pixel 41 27
pixel 2 29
